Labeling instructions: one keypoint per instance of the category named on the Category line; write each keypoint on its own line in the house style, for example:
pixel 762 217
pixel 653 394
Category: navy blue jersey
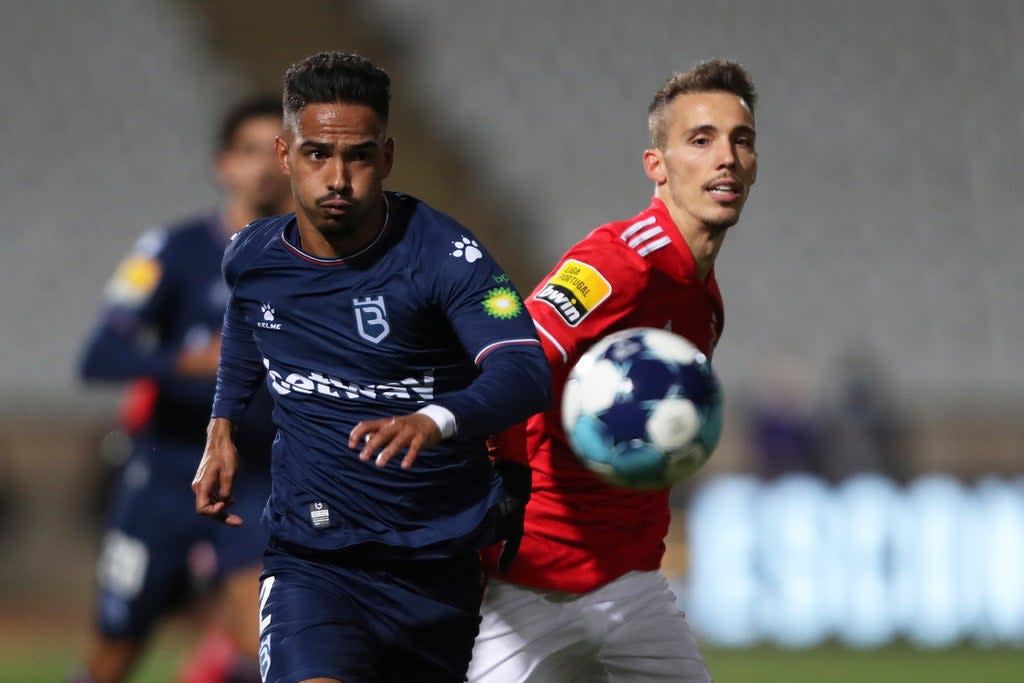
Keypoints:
pixel 166 296
pixel 423 315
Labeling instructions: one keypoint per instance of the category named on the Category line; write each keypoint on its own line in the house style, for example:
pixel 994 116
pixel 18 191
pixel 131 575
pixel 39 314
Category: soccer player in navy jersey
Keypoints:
pixel 160 330
pixel 393 345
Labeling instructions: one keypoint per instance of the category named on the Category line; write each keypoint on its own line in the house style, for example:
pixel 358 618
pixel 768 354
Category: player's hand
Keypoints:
pixel 201 361
pixel 384 438
pixel 216 474
pixel 516 485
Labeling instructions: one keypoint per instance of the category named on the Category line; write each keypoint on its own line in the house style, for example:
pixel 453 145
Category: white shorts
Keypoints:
pixel 628 631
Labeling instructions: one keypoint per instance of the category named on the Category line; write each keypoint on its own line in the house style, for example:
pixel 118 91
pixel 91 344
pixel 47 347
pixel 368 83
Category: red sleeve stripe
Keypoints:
pixel 504 342
pixel 551 338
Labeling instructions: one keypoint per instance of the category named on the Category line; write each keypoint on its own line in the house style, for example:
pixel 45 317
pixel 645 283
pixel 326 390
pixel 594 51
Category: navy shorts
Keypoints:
pixel 156 548
pixel 364 620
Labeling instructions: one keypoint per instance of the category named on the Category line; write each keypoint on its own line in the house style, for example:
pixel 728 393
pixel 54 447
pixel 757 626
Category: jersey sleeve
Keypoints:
pixel 487 314
pixel 591 292
pixel 481 303
pixel 240 370
pixel 118 347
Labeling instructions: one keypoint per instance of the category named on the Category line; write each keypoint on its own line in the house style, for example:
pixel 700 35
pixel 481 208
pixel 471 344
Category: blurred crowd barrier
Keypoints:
pixel 795 561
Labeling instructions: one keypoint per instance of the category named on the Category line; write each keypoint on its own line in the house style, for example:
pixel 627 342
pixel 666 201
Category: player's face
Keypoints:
pixel 337 157
pixel 709 161
pixel 248 169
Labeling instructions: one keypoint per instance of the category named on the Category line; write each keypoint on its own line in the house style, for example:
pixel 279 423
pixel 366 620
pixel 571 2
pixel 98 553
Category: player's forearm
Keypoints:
pixel 114 357
pixel 515 383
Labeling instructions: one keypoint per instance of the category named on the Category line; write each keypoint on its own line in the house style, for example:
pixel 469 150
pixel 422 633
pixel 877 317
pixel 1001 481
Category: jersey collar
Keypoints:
pixel 334 262
pixel 685 261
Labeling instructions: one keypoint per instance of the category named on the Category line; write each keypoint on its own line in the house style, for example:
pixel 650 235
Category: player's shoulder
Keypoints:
pixel 439 238
pixel 429 221
pixel 613 250
pixel 249 243
pixel 640 236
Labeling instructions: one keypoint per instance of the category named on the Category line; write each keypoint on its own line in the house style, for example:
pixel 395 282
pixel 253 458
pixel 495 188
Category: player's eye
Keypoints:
pixel 744 141
pixel 701 141
pixel 316 154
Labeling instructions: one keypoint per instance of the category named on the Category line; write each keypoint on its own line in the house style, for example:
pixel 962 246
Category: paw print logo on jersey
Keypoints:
pixel 268 317
pixel 467 249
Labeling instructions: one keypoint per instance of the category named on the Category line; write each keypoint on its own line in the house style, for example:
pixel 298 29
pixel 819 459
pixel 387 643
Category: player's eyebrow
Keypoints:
pixel 708 128
pixel 367 146
pixel 315 144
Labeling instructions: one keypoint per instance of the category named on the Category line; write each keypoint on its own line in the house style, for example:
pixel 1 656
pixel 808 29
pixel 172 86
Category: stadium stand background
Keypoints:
pixel 885 214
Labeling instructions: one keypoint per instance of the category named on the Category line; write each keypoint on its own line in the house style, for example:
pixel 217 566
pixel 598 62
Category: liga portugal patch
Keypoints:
pixel 574 291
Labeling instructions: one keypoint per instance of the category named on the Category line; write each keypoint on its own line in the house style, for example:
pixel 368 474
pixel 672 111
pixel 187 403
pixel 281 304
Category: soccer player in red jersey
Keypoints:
pixel 584 600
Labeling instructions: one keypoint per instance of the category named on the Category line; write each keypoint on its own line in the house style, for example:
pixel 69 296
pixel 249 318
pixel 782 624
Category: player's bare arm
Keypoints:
pixel 201 361
pixel 216 473
pixel 387 436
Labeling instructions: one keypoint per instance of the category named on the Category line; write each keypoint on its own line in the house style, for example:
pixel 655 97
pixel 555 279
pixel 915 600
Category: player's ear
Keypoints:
pixel 654 165
pixel 220 163
pixel 388 154
pixel 281 150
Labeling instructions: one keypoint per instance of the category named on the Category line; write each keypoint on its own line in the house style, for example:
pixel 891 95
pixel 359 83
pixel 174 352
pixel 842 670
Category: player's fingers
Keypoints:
pixel 202 486
pixel 413 452
pixel 398 442
pixel 383 431
pixel 363 431
pixel 357 433
pixel 232 520
pixel 210 507
pixel 225 482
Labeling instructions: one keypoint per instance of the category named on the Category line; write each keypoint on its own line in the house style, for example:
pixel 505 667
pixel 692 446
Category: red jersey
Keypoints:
pixel 580 532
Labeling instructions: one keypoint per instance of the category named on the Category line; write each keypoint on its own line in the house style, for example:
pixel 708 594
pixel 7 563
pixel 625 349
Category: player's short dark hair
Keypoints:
pixel 712 75
pixel 242 112
pixel 335 77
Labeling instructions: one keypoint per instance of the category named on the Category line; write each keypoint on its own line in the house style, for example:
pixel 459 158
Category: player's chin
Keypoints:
pixel 331 227
pixel 722 218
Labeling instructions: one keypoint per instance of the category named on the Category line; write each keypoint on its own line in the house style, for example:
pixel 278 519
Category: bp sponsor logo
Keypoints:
pixel 502 303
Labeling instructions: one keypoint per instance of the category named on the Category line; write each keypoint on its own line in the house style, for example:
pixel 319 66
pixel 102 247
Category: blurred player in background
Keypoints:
pixel 160 330
pixel 393 344
pixel 583 600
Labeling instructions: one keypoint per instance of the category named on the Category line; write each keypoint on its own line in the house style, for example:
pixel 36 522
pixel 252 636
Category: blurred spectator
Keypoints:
pixel 783 426
pixel 863 427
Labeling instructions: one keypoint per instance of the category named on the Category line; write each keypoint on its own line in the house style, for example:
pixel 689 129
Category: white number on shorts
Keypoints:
pixel 122 564
pixel 265 586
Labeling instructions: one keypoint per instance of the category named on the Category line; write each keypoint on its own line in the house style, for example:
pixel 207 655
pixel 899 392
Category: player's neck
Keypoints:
pixel 315 243
pixel 704 241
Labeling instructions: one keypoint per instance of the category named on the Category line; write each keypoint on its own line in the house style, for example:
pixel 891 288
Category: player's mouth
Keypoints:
pixel 336 208
pixel 725 190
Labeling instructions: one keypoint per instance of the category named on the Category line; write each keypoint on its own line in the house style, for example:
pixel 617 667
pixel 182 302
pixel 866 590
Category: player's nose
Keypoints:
pixel 726 154
pixel 339 175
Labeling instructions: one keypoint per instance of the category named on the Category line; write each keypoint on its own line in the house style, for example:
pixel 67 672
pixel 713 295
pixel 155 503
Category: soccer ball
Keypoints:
pixel 642 408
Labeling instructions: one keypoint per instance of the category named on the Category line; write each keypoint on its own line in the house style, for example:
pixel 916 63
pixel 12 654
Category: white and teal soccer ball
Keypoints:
pixel 642 408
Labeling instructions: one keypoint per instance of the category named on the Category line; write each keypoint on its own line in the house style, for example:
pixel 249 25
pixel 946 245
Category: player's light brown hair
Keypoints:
pixel 712 75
